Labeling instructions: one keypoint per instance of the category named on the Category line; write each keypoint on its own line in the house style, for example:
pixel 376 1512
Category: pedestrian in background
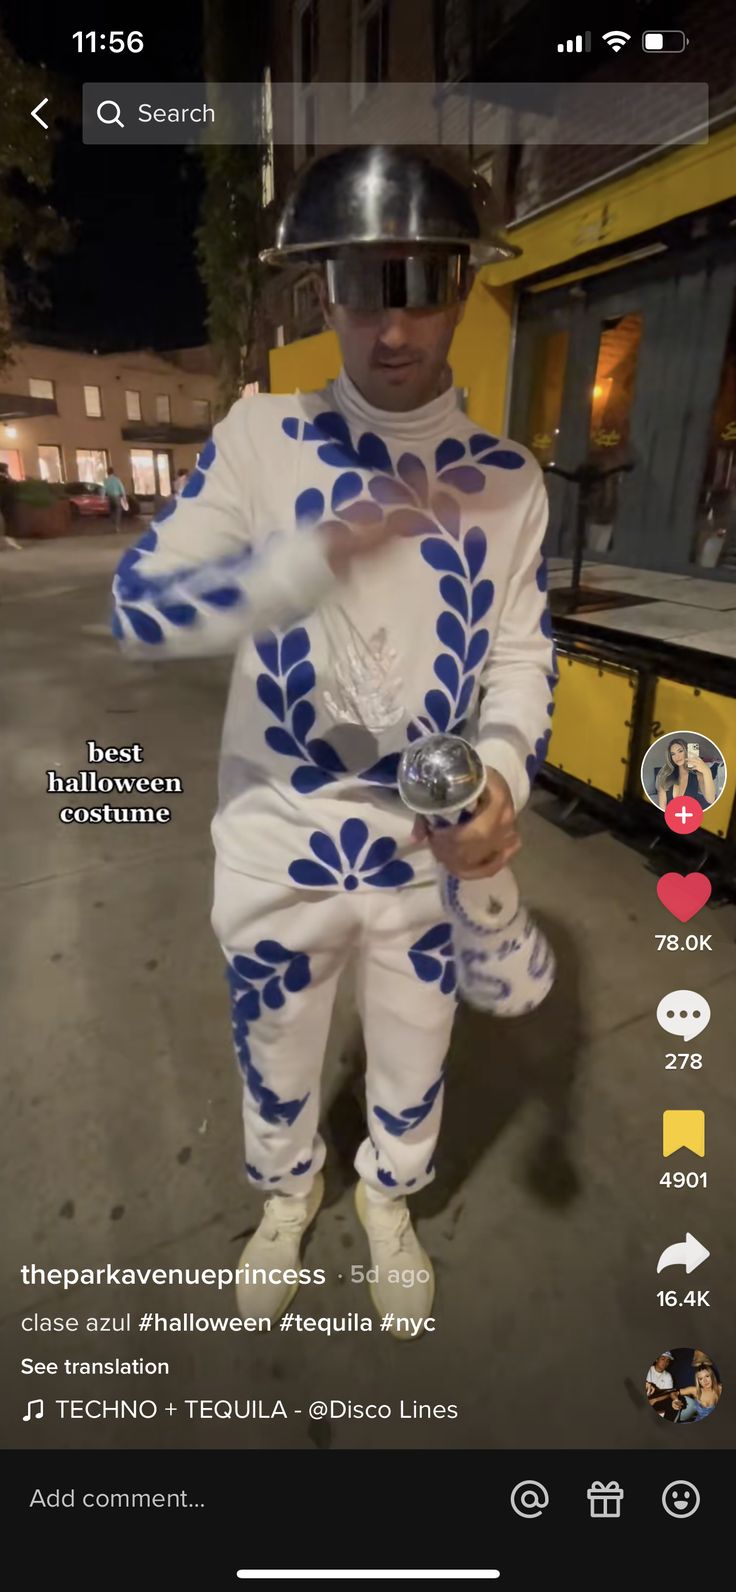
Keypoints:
pixel 114 491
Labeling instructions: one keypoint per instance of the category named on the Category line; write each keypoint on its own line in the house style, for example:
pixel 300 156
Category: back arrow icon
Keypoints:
pixel 690 1254
pixel 40 107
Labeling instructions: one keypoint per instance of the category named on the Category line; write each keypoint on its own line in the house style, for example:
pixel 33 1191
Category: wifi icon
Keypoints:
pixel 616 38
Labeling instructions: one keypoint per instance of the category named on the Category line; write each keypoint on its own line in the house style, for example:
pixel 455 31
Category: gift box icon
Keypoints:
pixel 605 1500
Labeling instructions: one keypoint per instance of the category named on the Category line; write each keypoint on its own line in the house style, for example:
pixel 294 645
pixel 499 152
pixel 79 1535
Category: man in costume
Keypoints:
pixel 373 559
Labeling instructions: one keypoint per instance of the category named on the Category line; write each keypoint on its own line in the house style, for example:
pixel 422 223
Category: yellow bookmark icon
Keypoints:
pixel 683 1130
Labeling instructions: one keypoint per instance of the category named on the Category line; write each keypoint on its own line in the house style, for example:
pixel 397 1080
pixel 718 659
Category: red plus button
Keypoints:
pixel 683 815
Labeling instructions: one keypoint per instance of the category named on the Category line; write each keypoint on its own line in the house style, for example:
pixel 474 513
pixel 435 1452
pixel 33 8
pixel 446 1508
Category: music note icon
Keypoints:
pixel 37 1413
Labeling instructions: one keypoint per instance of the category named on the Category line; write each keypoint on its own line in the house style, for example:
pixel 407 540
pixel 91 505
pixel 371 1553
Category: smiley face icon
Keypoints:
pixel 680 1499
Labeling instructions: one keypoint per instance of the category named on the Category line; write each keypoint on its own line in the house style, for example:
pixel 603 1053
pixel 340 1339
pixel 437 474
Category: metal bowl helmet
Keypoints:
pixel 391 224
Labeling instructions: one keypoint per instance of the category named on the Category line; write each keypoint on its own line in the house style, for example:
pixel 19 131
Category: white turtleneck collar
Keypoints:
pixel 406 425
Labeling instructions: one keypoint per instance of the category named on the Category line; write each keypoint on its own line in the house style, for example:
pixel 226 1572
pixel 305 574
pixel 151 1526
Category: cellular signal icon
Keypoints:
pixel 575 46
pixel 616 38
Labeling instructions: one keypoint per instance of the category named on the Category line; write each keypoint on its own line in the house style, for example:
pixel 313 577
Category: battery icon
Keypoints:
pixel 669 42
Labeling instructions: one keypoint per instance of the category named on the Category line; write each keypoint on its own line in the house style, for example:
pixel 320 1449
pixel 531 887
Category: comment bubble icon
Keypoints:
pixel 684 1013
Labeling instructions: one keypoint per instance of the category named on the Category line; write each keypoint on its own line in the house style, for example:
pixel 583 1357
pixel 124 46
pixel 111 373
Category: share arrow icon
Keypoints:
pixel 690 1254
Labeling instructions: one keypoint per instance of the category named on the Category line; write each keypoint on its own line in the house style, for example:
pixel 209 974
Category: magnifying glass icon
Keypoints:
pixel 109 121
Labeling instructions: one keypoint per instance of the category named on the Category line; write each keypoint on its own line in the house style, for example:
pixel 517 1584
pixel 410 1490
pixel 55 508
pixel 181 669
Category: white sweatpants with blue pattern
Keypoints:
pixel 285 949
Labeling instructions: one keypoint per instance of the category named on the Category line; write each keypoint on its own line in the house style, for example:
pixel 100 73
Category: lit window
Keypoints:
pixel 91 465
pixel 163 406
pixel 133 405
pixel 251 388
pixel 40 388
pixel 49 462
pixel 92 403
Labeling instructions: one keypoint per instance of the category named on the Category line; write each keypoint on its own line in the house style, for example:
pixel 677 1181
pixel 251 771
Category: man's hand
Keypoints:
pixel 485 844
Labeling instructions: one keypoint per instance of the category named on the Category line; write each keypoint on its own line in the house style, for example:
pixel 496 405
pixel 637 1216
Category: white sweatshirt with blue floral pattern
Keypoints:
pixel 445 628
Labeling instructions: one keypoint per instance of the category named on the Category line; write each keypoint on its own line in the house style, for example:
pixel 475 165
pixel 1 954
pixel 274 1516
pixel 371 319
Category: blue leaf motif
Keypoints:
pixel 299 682
pixel 475 548
pixel 542 576
pixel 389 492
pixel 325 756
pixel 455 594
pixel 325 850
pixel 379 854
pixel 339 458
pixel 280 741
pixel 304 872
pixel 504 459
pixel 273 996
pixel 302 720
pixel 297 974
pixel 545 624
pixel 306 779
pixel 331 423
pixel 465 477
pixel 446 670
pixel 447 982
pixel 439 555
pixel 245 967
pixel 267 648
pixel 412 471
pixel 452 634
pixel 481 441
pixel 396 872
pixel 271 695
pixel 362 513
pixel 440 934
pixel 448 452
pixel 428 968
pixel 178 613
pixel 346 487
pixel 373 453
pixel 477 649
pixel 272 951
pixel 413 732
pixel 309 505
pixel 294 647
pixel 384 771
pixel 353 836
pixel 482 599
pixel 145 626
pixel 437 704
pixel 290 426
pixel 465 695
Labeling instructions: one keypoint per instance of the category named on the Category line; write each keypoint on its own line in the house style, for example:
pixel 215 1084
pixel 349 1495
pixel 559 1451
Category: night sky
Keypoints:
pixel 130 279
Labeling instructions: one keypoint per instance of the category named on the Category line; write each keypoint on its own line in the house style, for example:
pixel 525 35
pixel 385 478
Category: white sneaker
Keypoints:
pixel 396 1252
pixel 275 1246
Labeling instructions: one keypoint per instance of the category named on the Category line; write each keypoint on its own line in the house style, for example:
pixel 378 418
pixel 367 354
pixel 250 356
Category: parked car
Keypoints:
pixel 84 497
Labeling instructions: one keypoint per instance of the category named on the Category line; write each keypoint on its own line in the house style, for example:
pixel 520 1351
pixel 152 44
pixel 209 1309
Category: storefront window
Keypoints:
pixel 150 472
pixel 714 542
pixel 49 462
pixel 545 404
pixel 612 399
pixel 91 465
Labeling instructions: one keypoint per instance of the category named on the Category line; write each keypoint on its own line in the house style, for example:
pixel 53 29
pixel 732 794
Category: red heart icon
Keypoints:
pixel 683 894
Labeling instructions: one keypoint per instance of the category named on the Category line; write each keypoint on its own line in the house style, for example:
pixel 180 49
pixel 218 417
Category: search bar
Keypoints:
pixel 416 113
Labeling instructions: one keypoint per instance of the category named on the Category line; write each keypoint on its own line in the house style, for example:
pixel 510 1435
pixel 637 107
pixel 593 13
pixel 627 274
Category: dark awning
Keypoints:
pixel 16 406
pixel 164 432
